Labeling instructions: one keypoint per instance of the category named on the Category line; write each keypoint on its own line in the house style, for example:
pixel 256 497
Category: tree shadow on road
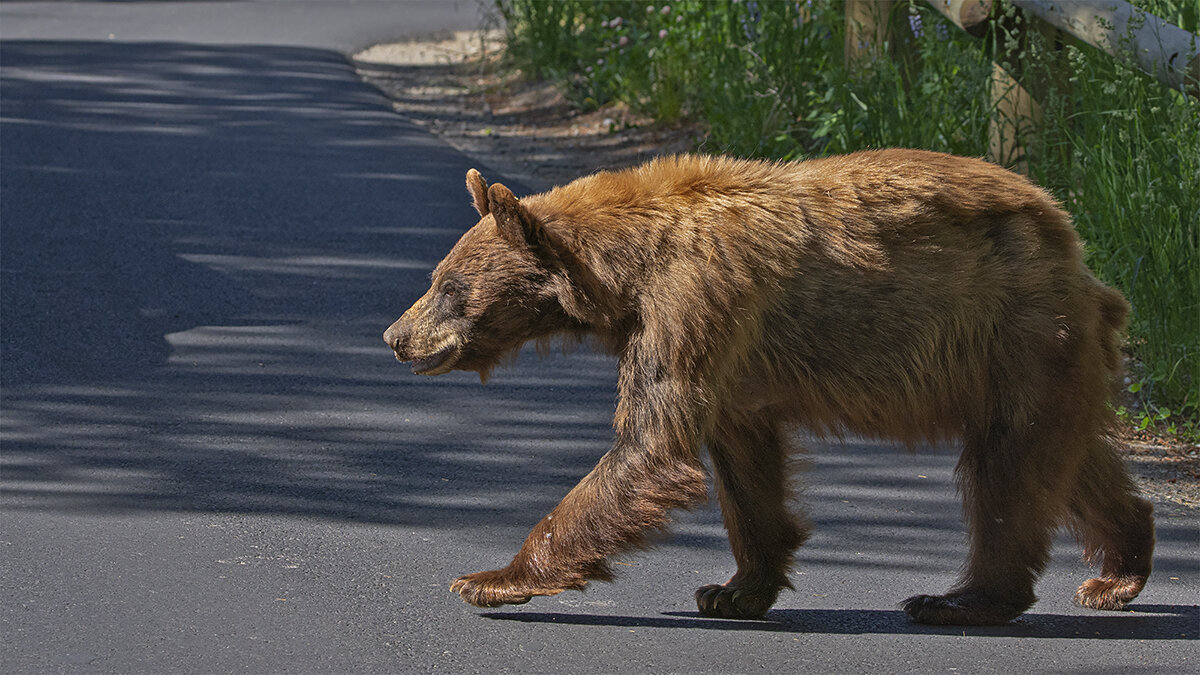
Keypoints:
pixel 130 168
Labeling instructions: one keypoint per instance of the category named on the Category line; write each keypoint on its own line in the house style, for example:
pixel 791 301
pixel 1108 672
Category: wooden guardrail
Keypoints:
pixel 1161 49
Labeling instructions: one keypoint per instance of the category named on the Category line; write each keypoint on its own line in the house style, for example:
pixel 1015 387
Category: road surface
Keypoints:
pixel 211 462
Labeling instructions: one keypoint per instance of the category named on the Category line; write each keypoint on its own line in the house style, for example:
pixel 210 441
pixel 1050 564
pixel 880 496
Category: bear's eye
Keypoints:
pixel 452 289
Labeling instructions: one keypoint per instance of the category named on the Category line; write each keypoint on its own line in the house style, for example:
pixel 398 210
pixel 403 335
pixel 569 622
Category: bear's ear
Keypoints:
pixel 515 223
pixel 477 186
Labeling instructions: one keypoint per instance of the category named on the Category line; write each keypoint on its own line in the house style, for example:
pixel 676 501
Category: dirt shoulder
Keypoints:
pixel 451 86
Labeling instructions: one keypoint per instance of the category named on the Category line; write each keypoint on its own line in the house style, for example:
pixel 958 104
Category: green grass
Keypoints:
pixel 767 79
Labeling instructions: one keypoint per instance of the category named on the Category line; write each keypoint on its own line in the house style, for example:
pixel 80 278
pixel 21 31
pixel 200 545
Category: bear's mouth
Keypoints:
pixel 436 363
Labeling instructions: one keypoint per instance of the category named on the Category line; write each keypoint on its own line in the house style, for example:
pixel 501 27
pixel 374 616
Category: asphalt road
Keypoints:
pixel 211 463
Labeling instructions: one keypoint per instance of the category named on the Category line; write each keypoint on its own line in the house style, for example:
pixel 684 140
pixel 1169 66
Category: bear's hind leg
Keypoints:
pixel 1010 482
pixel 1115 526
pixel 750 463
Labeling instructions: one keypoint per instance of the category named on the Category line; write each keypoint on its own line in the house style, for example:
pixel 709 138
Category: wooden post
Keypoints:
pixel 1016 112
pixel 867 29
pixel 1015 90
pixel 1014 121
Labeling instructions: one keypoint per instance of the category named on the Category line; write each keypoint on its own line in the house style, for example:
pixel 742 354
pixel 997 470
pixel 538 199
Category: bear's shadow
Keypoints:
pixel 1144 622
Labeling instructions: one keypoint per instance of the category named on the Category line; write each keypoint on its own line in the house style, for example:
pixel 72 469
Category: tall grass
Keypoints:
pixel 767 79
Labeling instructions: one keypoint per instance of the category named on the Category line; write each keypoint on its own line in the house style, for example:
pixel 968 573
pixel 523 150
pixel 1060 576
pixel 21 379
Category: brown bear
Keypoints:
pixel 895 294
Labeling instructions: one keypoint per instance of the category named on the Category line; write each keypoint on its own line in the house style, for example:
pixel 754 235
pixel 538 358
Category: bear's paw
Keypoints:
pixel 735 601
pixel 496 588
pixel 966 608
pixel 1109 592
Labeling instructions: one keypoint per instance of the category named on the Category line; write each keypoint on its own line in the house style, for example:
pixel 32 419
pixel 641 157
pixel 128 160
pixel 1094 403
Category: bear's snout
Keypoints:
pixel 411 342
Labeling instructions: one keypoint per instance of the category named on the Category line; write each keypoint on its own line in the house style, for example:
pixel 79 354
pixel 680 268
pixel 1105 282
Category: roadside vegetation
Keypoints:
pixel 768 79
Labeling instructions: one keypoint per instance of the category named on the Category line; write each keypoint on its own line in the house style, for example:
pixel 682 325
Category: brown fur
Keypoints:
pixel 894 294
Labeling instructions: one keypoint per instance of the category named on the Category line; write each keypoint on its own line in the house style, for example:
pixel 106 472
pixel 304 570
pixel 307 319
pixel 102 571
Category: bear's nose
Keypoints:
pixel 396 338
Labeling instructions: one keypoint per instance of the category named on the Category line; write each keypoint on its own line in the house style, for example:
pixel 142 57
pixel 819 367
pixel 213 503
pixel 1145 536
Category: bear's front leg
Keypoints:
pixel 628 493
pixel 654 466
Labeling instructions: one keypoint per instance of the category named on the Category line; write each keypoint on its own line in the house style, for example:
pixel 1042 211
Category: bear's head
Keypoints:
pixel 494 291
